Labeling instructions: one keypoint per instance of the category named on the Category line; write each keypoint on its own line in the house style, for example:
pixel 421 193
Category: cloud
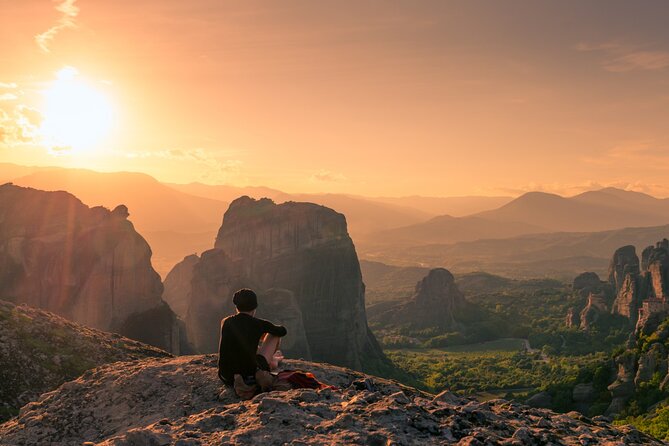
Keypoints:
pixel 8 97
pixel 620 58
pixel 69 12
pixel 219 165
pixel 328 177
pixel 19 125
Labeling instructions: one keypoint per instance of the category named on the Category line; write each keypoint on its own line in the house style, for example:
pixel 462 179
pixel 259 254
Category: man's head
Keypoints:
pixel 245 300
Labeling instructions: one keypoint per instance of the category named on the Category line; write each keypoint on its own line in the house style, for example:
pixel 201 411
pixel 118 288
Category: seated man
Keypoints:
pixel 238 352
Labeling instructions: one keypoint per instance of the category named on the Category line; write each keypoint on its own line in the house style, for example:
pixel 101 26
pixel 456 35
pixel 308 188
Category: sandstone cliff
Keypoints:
pixel 436 303
pixel 177 402
pixel 39 351
pixel 642 291
pixel 302 263
pixel 86 264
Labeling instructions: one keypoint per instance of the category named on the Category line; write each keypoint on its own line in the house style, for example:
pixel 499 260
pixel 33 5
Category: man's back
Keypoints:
pixel 240 335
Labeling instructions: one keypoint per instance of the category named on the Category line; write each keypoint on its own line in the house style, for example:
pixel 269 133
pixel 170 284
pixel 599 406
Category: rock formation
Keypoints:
pixel 177 285
pixel 641 292
pixel 39 351
pixel 587 283
pixel 302 263
pixel 595 306
pixel 86 264
pixel 597 295
pixel 622 387
pixel 124 405
pixel 571 320
pixel 436 302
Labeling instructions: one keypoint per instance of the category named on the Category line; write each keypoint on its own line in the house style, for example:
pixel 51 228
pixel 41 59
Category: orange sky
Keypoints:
pixel 378 98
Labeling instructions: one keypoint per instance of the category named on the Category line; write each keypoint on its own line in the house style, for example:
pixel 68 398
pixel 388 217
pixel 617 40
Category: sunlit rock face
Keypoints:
pixel 301 262
pixel 642 288
pixel 624 277
pixel 86 264
pixel 177 285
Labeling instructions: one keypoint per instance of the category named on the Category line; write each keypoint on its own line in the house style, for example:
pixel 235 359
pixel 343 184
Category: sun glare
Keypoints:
pixel 77 116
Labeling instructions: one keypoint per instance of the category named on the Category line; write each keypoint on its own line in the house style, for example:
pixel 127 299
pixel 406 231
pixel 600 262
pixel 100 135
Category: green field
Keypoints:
pixel 499 345
pixel 488 369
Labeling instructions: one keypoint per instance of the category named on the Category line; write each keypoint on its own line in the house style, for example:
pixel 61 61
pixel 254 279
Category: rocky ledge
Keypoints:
pixel 40 351
pixel 178 401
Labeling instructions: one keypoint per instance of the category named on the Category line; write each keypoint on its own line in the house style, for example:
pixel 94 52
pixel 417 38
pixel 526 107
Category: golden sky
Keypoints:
pixel 391 98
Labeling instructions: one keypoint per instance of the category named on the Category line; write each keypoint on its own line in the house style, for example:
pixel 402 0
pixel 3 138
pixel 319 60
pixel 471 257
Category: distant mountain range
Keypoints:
pixel 181 219
pixel 561 255
pixel 534 213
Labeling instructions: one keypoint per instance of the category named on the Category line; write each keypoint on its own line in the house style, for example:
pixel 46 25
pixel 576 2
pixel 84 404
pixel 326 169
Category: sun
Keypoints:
pixel 76 115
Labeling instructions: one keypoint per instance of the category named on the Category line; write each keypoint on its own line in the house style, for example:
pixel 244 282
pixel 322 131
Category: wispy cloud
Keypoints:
pixel 621 58
pixel 19 125
pixel 67 20
pixel 218 162
pixel 328 177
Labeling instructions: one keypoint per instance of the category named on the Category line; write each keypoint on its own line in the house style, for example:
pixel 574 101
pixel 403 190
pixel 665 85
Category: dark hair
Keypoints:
pixel 245 300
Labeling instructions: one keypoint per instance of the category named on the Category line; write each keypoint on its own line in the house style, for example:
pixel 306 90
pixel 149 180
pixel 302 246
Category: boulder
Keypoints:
pixel 541 400
pixel 583 393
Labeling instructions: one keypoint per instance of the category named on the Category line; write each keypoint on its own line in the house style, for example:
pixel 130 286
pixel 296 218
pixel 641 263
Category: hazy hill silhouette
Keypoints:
pixel 453 206
pixel 537 212
pixel 592 211
pixel 363 215
pixel 174 223
pixel 557 254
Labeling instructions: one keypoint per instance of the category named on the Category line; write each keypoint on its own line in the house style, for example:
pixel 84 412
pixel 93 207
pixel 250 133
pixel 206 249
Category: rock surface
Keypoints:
pixel 595 306
pixel 301 262
pixel 177 285
pixel 177 402
pixel 435 303
pixel 39 351
pixel 86 264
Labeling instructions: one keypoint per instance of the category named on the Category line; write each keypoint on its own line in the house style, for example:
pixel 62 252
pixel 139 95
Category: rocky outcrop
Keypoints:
pixel 86 264
pixel 594 308
pixel 641 292
pixel 572 318
pixel 624 262
pixel 436 302
pixel 622 387
pixel 651 362
pixel 177 285
pixel 301 262
pixel 587 283
pixel 628 300
pixel 127 405
pixel 39 351
pixel 596 295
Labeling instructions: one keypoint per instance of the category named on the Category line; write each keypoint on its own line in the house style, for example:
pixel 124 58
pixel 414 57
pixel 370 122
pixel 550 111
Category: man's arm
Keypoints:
pixel 220 346
pixel 276 330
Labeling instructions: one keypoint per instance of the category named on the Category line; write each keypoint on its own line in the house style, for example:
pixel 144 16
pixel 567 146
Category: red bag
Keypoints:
pixel 301 380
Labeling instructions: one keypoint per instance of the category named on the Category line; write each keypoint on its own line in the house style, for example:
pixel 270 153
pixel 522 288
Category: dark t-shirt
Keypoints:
pixel 240 335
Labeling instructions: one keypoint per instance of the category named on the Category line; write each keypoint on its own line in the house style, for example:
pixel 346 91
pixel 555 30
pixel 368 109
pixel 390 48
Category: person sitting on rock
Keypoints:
pixel 239 352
